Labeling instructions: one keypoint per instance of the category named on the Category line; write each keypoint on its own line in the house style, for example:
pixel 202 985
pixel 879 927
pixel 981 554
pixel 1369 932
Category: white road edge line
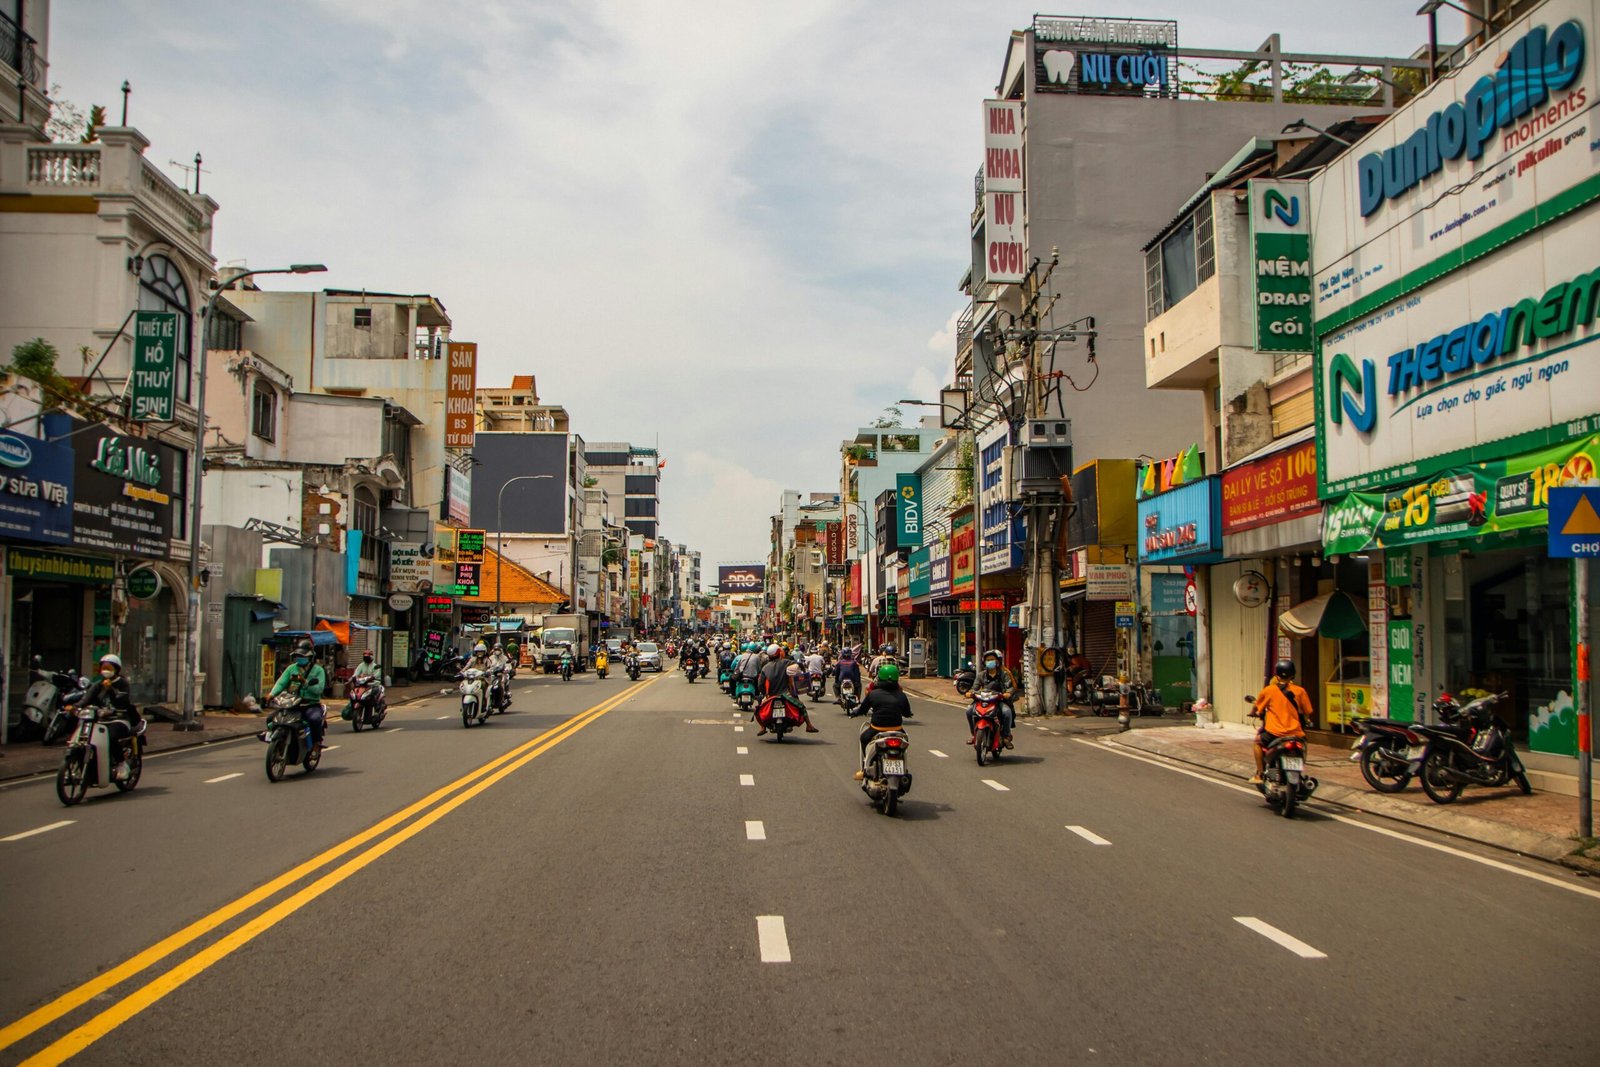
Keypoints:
pixel 754 830
pixel 1101 746
pixel 1273 934
pixel 774 940
pixel 1089 835
pixel 223 778
pixel 992 784
pixel 741 751
pixel 936 752
pixel 57 826
pixel 747 779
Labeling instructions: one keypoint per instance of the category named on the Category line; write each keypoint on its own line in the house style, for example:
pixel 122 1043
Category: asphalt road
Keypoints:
pixel 618 873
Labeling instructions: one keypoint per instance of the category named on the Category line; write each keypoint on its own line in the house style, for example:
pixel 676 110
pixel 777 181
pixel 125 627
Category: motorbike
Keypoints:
pixel 1285 783
pixel 966 678
pixel 744 692
pixel 288 737
pixel 887 779
pixel 1077 678
pixel 90 761
pixel 427 668
pixel 64 719
pixel 474 704
pixel 814 686
pixel 691 670
pixel 601 663
pixel 44 695
pixel 988 737
pixel 367 706
pixel 848 699
pixel 1391 752
pixel 1477 750
pixel 778 715
pixel 630 663
pixel 566 668
pixel 499 692
pixel 725 679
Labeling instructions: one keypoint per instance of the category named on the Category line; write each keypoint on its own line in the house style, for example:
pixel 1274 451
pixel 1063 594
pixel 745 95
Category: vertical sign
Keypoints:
pixel 1280 242
pixel 153 391
pixel 461 386
pixel 1402 681
pixel 469 546
pixel 908 508
pixel 1002 190
pixel 835 543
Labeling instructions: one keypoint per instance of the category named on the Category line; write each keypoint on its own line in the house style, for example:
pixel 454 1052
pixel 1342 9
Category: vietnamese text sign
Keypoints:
pixel 1003 252
pixel 908 509
pixel 469 546
pixel 1108 581
pixel 35 489
pixel 1575 522
pixel 466 575
pixel 1280 240
pixel 152 394
pixel 1180 525
pixel 124 491
pixel 408 568
pixel 1270 489
pixel 1002 146
pixel 461 388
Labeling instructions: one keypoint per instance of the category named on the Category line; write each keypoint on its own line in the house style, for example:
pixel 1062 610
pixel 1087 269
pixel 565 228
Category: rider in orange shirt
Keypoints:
pixel 1281 706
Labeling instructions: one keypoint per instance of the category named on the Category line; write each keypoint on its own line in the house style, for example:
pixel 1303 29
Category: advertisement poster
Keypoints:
pixel 461 386
pixel 35 489
pixel 1271 489
pixel 126 492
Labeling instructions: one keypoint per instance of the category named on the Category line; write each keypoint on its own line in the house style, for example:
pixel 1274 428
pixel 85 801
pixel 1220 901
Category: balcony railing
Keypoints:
pixel 64 166
pixel 112 167
pixel 18 50
pixel 964 330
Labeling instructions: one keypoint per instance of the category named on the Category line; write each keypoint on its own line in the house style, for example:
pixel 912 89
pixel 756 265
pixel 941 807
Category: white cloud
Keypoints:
pixel 924 385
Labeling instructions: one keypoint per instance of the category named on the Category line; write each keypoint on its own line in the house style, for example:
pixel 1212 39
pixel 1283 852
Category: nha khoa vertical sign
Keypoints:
pixel 1002 191
pixel 461 387
pixel 152 394
pixel 1280 245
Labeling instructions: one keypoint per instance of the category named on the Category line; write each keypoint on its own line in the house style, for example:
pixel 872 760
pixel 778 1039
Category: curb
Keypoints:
pixel 1530 843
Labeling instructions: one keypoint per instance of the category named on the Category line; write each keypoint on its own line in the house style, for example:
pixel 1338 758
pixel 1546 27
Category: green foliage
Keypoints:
pixel 964 476
pixel 891 417
pixel 36 359
pixel 1251 82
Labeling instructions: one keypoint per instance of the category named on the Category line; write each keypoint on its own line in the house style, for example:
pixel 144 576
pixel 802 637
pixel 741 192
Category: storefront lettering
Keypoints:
pixel 1157 539
pixel 130 462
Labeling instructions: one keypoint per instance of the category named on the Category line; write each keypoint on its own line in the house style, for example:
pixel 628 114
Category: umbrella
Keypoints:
pixel 1332 615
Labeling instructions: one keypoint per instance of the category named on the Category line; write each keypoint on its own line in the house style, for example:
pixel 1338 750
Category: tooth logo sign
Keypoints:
pixel 1058 64
pixel 1355 393
pixel 1287 208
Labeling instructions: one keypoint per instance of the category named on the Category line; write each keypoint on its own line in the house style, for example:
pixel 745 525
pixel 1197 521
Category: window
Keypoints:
pixel 264 411
pixel 162 288
pixel 363 318
pixel 606 459
pixel 366 520
pixel 639 508
pixel 1183 259
pixel 640 483
pixel 224 333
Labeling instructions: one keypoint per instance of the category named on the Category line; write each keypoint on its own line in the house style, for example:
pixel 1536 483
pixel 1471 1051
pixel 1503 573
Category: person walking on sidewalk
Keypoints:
pixel 1281 706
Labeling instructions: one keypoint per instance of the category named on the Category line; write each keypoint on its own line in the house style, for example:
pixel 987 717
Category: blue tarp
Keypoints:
pixel 318 637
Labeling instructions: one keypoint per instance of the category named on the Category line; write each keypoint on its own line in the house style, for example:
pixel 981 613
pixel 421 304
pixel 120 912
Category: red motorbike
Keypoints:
pixel 780 715
pixel 988 739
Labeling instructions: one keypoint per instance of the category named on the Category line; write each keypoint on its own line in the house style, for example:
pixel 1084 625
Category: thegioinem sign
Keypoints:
pixel 1538 65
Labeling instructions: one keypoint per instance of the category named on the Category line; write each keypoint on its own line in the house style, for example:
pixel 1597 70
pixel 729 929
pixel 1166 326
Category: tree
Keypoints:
pixel 36 359
pixel 890 418
pixel 68 124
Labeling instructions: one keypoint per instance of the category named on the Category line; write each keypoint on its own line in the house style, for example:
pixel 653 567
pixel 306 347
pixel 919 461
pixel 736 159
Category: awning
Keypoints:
pixel 340 630
pixel 1075 593
pixel 318 638
pixel 263 614
pixel 364 626
pixel 1329 615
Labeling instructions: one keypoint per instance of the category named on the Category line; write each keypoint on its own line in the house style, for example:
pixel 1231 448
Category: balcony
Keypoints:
pixel 20 52
pixel 964 332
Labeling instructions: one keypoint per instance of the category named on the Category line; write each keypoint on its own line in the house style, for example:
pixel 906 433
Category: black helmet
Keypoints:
pixel 303 647
pixel 1284 669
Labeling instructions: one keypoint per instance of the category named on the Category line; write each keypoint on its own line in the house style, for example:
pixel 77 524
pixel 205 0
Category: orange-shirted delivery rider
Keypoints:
pixel 1281 706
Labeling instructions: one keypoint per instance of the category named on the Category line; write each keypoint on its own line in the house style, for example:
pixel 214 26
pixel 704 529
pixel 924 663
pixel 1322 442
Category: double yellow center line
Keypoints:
pixel 435 805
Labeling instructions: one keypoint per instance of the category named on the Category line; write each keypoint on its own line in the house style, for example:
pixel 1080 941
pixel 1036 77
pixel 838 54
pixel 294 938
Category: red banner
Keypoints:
pixel 461 390
pixel 835 542
pixel 1271 489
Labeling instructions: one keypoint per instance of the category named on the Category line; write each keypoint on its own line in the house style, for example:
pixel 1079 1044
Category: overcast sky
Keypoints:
pixel 737 227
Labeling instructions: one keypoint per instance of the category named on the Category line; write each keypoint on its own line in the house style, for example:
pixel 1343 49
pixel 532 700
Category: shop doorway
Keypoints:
pixel 147 648
pixel 46 621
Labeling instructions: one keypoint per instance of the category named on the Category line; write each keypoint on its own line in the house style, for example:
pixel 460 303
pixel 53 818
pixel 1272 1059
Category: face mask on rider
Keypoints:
pixel 108 674
pixel 302 660
pixel 991 664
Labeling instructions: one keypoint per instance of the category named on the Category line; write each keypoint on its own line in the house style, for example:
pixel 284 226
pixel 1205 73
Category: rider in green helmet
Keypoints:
pixel 886 707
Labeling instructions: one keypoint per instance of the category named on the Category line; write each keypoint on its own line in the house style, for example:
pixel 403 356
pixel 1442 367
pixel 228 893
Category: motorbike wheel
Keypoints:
pixel 1291 796
pixel 278 757
pixel 72 779
pixel 466 715
pixel 135 767
pixel 1440 789
pixel 312 758
pixel 980 744
pixel 891 797
pixel 1374 763
pixel 355 719
pixel 56 730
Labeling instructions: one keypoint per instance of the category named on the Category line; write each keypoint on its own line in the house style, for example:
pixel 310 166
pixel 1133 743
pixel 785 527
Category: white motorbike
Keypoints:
pixel 92 762
pixel 887 778
pixel 474 697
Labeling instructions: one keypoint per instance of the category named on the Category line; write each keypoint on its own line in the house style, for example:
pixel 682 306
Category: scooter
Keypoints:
pixel 566 668
pixel 887 779
pixel 691 670
pixel 428 668
pixel 814 687
pixel 44 696
pixel 744 692
pixel 631 664
pixel 90 762
pixel 966 678
pixel 848 700
pixel 367 706
pixel 988 738
pixel 474 707
pixel 499 693
pixel 1477 751
pixel 288 737
pixel 1284 781
pixel 1391 752
pixel 602 663
pixel 725 679
pixel 779 716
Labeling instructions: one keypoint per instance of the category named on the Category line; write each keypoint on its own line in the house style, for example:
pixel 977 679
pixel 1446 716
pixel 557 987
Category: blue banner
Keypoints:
pixel 1182 525
pixel 35 489
pixel 352 562
pixel 908 509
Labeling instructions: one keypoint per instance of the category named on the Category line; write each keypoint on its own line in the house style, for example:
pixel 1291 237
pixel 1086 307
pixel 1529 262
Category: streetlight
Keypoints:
pixel 500 536
pixel 191 691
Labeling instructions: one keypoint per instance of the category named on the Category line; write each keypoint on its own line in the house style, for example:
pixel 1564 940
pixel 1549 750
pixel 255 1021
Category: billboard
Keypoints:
pixel 1280 239
pixel 908 509
pixel 530 506
pixel 127 492
pixel 35 489
pixel 461 391
pixel 741 578
pixel 1105 57
pixel 1003 254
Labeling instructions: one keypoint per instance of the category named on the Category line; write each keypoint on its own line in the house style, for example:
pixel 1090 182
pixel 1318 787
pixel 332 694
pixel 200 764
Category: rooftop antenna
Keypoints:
pixel 187 170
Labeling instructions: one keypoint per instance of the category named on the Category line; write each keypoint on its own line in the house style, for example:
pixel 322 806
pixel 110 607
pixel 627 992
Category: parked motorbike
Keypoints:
pixel 474 704
pixel 814 687
pixel 43 697
pixel 64 719
pixel 1477 750
pixel 288 737
pixel 368 705
pixel 1285 783
pixel 849 700
pixel 966 678
pixel 1391 752
pixel 92 762
pixel 744 691
pixel 988 736
pixel 427 668
pixel 887 778
pixel 1077 678
pixel 779 716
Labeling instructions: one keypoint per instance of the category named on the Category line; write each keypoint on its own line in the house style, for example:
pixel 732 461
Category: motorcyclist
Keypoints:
pixel 307 679
pixel 997 677
pixel 1281 706
pixel 500 670
pixel 479 660
pixel 567 662
pixel 887 707
pixel 847 669
pixel 366 672
pixel 815 663
pixel 748 666
pixel 113 693
pixel 885 655
pixel 780 679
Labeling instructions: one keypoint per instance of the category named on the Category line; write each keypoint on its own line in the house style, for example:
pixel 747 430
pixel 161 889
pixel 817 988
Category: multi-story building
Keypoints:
pixel 630 474
pixel 518 408
pixel 24 63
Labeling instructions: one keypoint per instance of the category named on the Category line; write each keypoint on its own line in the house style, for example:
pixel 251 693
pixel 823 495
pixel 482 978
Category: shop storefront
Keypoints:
pixel 1458 382
pixel 1097 565
pixel 1179 536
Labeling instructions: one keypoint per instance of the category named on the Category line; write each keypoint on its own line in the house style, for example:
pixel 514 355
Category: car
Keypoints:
pixel 614 647
pixel 649 656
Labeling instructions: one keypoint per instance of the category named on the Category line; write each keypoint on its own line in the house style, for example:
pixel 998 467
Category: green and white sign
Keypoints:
pixel 1280 245
pixel 1402 682
pixel 153 390
pixel 143 583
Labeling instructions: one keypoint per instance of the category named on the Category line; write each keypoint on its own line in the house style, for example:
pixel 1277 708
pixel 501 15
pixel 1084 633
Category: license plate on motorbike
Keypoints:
pixel 894 766
pixel 779 713
pixel 1294 763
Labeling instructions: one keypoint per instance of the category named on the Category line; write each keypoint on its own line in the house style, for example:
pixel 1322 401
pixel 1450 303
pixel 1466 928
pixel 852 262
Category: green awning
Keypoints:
pixel 1329 615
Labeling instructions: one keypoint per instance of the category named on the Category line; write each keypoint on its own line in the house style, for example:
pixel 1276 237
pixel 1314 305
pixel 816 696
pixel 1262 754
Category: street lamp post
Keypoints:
pixel 191 688
pixel 499 539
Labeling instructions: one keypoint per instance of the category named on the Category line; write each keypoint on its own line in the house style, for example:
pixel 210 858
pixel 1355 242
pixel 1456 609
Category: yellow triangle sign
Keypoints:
pixel 1583 520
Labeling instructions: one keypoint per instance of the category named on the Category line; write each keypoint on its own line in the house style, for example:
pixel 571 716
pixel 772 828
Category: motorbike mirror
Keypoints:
pixel 37 660
pixel 83 681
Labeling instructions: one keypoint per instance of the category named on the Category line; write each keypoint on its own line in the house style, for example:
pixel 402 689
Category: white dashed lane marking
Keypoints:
pixel 1089 835
pixel 754 830
pixel 774 939
pixel 747 779
pixel 58 825
pixel 936 752
pixel 1272 933
pixel 224 778
pixel 992 784
pixel 742 751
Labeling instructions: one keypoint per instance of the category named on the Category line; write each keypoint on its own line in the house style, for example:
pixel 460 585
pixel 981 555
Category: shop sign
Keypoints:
pixel 939 572
pixel 1180 525
pixel 1397 569
pixel 1003 252
pixel 962 545
pixel 908 509
pixel 461 388
pixel 123 492
pixel 35 489
pixel 1123 615
pixel 153 388
pixel 1463 166
pixel 457 496
pixel 835 546
pixel 1469 501
pixel 408 567
pixel 1402 680
pixel 400 601
pixel 1250 589
pixel 990 603
pixel 1108 581
pixel 1574 522
pixel 439 605
pixel 434 642
pixel 469 546
pixel 43 566
pixel 921 565
pixel 1002 146
pixel 1271 489
pixel 1280 240
pixel 854 619
pixel 945 609
pixel 838 570
pixel 143 583
pixel 1122 57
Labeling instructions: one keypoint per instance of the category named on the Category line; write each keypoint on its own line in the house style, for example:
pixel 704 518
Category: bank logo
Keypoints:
pixel 1287 208
pixel 1355 393
pixel 1058 63
pixel 14 451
